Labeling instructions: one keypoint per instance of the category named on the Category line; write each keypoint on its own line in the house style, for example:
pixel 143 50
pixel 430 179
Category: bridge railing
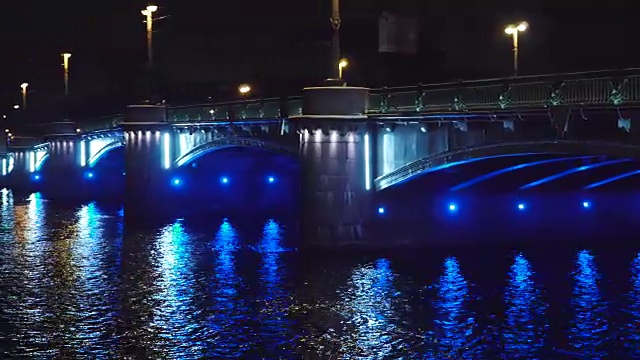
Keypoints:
pixel 272 108
pixel 615 87
pixel 592 88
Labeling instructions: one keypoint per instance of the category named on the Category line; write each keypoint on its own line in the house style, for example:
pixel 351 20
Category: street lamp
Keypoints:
pixel 24 86
pixel 65 66
pixel 335 24
pixel 513 30
pixel 148 12
pixel 244 89
pixel 343 63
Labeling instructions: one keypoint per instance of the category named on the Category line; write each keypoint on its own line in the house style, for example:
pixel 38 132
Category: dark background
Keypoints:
pixel 206 48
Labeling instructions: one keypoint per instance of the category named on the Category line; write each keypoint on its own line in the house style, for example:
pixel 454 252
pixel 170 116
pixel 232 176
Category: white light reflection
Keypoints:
pixel 174 315
pixel 367 163
pixel 369 307
pixel 589 331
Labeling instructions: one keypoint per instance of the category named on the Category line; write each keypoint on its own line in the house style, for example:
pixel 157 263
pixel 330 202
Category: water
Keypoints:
pixel 75 283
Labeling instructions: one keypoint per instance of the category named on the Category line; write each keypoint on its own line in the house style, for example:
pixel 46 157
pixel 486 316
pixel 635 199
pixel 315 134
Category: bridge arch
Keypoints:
pixel 102 151
pixel 217 145
pixel 480 153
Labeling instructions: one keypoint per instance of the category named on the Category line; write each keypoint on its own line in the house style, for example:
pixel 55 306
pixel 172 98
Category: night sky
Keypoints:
pixel 282 45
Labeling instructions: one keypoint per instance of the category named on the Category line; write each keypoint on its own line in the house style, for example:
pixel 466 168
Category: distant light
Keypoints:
pixel 453 207
pixel 16 106
pixel 78 130
pixel 521 206
pixel 381 210
pixel 89 175
pixel 586 204
pixel 271 179
pixel 176 182
pixel 244 89
pixel 423 129
pixel 224 180
pixel 6 130
pixel 36 177
pixel 124 173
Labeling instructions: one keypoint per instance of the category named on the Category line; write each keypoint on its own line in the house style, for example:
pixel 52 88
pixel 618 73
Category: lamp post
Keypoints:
pixel 335 23
pixel 24 86
pixel 65 66
pixel 513 30
pixel 148 13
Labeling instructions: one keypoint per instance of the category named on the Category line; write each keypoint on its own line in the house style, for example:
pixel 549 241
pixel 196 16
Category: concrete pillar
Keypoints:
pixel 337 154
pixel 147 178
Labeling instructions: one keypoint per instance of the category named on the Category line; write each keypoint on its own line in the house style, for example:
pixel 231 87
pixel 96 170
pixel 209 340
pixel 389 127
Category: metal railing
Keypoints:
pixel 599 88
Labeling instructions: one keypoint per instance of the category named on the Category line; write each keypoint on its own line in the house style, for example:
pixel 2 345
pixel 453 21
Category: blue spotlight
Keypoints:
pixel 586 204
pixel 271 179
pixel 521 206
pixel 453 207
pixel 176 182
pixel 36 177
pixel 224 180
pixel 88 175
pixel 381 210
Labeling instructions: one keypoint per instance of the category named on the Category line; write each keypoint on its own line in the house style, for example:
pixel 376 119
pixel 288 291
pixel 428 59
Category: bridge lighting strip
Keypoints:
pixel 83 154
pixel 612 179
pixel 367 163
pixel 32 161
pixel 166 149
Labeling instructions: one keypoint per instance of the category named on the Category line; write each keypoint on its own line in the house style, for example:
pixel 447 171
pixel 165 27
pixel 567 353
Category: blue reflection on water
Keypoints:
pixel 632 329
pixel 589 330
pixel 275 301
pixel 174 317
pixel 87 262
pixel 368 308
pixel 228 312
pixel 455 324
pixel 524 327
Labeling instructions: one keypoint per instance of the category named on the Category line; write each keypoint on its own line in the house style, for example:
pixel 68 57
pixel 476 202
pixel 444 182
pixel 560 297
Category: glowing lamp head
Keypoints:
pixel 176 182
pixel 244 89
pixel 512 29
pixel 271 179
pixel 24 85
pixel 16 107
pixel 381 210
pixel 89 175
pixel 453 207
pixel 521 206
pixel 66 56
pixel 36 177
pixel 224 180
pixel 522 26
pixel 343 63
pixel 586 204
pixel 149 10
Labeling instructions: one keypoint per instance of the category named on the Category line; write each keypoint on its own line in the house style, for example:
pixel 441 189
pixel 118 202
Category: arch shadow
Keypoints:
pixel 479 153
pixel 253 143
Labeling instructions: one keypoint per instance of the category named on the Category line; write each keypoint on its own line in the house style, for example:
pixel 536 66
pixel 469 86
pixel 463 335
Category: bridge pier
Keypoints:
pixel 337 155
pixel 146 177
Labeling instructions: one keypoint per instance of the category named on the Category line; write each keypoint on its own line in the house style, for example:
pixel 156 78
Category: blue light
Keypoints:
pixel 586 204
pixel 572 171
pixel 521 206
pixel 36 177
pixel 124 174
pixel 89 175
pixel 271 179
pixel 176 182
pixel 381 210
pixel 224 180
pixel 453 207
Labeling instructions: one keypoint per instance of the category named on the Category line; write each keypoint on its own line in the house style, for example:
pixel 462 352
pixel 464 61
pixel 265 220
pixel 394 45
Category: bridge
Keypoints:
pixel 352 144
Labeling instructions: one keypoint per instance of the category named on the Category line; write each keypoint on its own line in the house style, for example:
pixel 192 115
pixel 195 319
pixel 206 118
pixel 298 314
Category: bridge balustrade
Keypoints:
pixel 601 88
